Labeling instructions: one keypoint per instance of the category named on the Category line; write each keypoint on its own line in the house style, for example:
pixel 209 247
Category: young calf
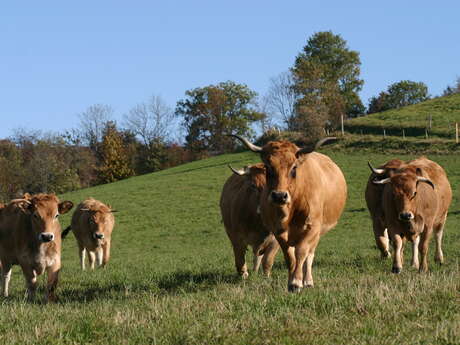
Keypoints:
pixel 92 225
pixel 239 205
pixel 30 236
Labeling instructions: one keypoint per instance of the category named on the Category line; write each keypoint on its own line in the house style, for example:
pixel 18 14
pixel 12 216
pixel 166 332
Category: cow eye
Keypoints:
pixel 269 171
pixel 413 195
pixel 56 216
pixel 36 216
pixel 294 171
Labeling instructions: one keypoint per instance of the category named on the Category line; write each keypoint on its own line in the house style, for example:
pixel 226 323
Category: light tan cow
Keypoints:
pixel 303 199
pixel 240 209
pixel 374 196
pixel 92 225
pixel 30 236
pixel 415 203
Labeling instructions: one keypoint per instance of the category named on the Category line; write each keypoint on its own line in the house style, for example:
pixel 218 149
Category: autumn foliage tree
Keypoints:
pixel 115 163
pixel 210 113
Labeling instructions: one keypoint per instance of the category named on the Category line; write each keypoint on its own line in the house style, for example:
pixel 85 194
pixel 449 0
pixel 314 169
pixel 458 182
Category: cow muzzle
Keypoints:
pixel 98 236
pixel 279 197
pixel 406 216
pixel 46 237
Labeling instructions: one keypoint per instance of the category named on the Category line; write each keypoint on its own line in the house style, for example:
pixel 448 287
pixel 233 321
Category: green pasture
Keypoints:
pixel 444 113
pixel 171 279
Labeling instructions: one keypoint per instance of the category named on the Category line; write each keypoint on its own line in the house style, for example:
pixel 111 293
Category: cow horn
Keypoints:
pixel 247 143
pixel 424 179
pixel 374 170
pixel 21 200
pixel 384 181
pixel 306 150
pixel 240 172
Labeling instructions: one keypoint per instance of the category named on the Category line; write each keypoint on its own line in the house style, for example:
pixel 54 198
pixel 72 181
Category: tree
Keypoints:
pixel 327 64
pixel 281 98
pixel 115 164
pixel 93 122
pixel 210 113
pixel 450 90
pixel 400 94
pixel 150 121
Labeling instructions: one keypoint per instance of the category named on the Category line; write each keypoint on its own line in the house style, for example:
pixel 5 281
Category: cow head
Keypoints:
pixel 281 159
pixel 388 169
pixel 255 174
pixel 44 210
pixel 97 219
pixel 404 187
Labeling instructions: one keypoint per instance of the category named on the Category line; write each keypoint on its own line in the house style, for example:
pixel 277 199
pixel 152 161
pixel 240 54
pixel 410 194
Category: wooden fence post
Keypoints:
pixel 384 133
pixel 426 133
pixel 341 118
pixel 404 134
pixel 456 132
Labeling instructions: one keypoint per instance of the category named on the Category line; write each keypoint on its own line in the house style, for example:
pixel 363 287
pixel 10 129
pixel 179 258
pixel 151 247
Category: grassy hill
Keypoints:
pixel 171 279
pixel 444 111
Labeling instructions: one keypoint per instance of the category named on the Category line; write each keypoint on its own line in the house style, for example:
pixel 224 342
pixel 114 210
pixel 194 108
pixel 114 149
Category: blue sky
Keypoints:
pixel 59 57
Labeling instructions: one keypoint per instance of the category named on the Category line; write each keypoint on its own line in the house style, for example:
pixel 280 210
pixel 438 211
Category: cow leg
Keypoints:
pixel 381 237
pixel 302 251
pixel 307 270
pixel 99 256
pixel 257 260
pixel 288 252
pixel 91 258
pixel 239 251
pixel 398 253
pixel 269 257
pixel 31 281
pixel 53 277
pixel 106 253
pixel 82 254
pixel 6 276
pixel 439 256
pixel 423 247
pixel 415 244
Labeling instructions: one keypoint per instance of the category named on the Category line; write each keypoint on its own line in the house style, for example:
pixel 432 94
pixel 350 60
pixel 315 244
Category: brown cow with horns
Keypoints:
pixel 415 200
pixel 239 205
pixel 304 198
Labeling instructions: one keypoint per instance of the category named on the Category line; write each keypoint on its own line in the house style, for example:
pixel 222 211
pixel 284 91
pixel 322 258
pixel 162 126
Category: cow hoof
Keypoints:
pixel 386 255
pixel 294 288
pixel 396 270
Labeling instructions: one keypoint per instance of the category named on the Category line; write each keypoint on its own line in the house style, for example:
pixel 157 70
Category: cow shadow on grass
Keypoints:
pixel 187 282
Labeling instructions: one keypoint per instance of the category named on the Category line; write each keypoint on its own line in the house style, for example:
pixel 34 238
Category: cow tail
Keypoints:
pixel 66 232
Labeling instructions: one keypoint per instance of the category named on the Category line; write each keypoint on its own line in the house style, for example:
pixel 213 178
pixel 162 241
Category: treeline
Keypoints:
pixel 306 102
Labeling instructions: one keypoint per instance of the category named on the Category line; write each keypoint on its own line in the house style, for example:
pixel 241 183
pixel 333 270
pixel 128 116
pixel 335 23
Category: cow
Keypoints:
pixel 373 196
pixel 30 236
pixel 416 200
pixel 239 206
pixel 92 225
pixel 303 199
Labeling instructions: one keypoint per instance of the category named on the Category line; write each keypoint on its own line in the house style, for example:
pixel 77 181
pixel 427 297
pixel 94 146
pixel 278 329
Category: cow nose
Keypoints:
pixel 98 236
pixel 279 197
pixel 406 216
pixel 46 237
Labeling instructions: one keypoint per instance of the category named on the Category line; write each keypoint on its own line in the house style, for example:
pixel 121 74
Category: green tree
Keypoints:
pixel 115 163
pixel 327 65
pixel 210 113
pixel 400 94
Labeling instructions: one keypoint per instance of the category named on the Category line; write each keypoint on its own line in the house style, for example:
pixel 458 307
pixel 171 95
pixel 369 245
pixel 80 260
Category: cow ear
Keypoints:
pixel 25 205
pixel 65 207
pixel 27 196
pixel 418 172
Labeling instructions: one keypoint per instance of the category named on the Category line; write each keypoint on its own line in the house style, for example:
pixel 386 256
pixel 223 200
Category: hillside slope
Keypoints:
pixel 444 111
pixel 171 278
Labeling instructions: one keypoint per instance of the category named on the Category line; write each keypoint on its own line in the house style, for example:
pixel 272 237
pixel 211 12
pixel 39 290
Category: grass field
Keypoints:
pixel 171 279
pixel 444 111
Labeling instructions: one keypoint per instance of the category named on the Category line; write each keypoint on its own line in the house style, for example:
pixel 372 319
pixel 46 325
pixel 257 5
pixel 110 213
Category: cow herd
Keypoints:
pixel 290 200
pixel 296 195
pixel 30 236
